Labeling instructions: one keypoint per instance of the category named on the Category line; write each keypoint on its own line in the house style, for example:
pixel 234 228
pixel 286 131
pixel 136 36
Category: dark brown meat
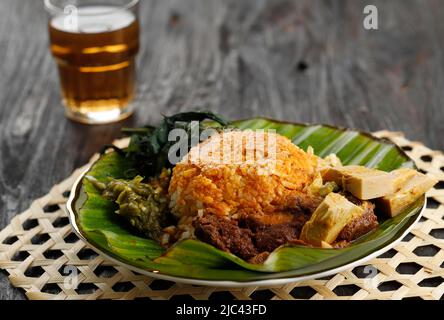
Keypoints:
pixel 361 225
pixel 226 235
pixel 301 203
pixel 272 231
pixel 251 234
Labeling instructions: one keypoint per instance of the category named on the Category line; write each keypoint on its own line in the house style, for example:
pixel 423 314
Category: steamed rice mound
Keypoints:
pixel 203 184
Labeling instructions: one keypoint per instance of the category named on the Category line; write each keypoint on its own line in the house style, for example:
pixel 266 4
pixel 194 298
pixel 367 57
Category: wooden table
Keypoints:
pixel 306 60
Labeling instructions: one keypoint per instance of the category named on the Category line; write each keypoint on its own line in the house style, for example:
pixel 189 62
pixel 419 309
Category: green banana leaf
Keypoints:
pixel 99 225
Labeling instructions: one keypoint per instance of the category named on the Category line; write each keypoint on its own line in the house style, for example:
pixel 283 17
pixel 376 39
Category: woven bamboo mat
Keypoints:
pixel 44 257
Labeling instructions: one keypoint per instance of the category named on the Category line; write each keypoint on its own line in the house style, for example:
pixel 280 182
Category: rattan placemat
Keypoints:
pixel 43 256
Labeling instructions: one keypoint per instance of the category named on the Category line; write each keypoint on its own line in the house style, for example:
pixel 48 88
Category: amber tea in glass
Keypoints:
pixel 95 45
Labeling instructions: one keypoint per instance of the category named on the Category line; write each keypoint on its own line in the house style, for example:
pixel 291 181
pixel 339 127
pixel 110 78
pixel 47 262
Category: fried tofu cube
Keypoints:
pixel 410 191
pixel 365 183
pixel 401 176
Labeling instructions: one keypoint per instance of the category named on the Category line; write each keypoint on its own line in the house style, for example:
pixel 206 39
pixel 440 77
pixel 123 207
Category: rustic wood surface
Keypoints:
pixel 305 60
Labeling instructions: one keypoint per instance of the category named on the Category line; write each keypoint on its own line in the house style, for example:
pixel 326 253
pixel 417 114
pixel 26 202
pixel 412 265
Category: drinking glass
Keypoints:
pixel 95 44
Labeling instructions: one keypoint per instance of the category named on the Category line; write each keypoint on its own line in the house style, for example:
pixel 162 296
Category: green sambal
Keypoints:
pixel 143 204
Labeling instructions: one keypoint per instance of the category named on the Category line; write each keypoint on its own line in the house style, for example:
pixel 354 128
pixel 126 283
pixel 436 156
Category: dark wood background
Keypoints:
pixel 308 60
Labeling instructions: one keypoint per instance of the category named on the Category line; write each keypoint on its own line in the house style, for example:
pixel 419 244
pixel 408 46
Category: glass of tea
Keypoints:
pixel 95 44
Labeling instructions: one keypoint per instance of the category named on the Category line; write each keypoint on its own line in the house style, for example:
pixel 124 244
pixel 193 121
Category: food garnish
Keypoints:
pixel 149 146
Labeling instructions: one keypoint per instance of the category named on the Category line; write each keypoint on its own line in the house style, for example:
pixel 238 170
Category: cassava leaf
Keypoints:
pixel 149 146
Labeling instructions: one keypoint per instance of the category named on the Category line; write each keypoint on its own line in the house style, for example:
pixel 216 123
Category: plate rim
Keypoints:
pixel 231 283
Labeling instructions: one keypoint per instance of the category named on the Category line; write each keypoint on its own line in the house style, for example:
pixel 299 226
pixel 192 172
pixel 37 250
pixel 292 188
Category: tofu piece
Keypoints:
pixel 365 183
pixel 328 220
pixel 411 190
pixel 401 176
